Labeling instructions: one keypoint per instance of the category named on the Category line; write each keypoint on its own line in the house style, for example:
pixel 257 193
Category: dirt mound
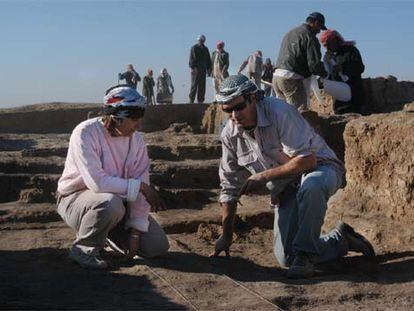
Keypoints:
pixel 63 117
pixel 379 159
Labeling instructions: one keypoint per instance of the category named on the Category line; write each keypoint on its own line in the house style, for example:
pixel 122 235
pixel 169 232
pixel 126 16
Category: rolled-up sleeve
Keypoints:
pixel 295 133
pixel 231 174
pixel 140 208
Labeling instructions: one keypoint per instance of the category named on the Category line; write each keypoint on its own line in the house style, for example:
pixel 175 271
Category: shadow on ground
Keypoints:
pixel 391 268
pixel 45 278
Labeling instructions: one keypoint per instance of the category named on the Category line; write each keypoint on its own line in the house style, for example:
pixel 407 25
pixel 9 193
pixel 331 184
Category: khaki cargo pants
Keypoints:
pixel 292 91
pixel 92 215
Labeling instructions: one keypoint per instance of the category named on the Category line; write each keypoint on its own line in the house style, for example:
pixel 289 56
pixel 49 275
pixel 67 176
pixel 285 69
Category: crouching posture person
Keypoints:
pixel 106 178
pixel 277 146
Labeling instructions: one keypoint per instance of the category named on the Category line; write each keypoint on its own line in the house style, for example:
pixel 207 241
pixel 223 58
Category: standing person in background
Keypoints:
pixel 220 62
pixel 200 65
pixel 254 65
pixel 299 58
pixel 268 76
pixel 345 64
pixel 165 88
pixel 130 76
pixel 148 88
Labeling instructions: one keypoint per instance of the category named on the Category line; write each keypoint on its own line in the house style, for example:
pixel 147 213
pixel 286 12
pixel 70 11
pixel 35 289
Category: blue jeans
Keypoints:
pixel 300 216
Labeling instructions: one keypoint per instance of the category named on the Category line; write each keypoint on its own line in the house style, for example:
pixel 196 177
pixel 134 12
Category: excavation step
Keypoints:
pixel 183 152
pixel 18 212
pixel 42 187
pixel 186 174
pixel 188 198
pixel 19 142
pixel 14 163
pixel 38 188
pixel 254 212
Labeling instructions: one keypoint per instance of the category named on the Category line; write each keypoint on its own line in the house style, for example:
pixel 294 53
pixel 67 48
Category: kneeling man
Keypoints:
pixel 271 139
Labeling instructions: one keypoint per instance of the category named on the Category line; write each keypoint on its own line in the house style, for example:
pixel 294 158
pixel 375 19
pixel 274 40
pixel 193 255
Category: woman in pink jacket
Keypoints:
pixel 106 180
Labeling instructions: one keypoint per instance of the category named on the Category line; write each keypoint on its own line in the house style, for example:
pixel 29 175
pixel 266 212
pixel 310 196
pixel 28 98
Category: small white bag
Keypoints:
pixel 338 90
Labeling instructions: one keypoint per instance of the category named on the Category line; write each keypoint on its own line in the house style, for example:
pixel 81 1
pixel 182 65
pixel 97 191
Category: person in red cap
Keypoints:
pixel 299 58
pixel 220 63
pixel 344 63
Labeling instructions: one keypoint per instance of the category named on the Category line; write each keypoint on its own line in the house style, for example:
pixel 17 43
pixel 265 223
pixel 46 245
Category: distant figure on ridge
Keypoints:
pixel 148 88
pixel 220 62
pixel 200 64
pixel 344 64
pixel 130 76
pixel 165 88
pixel 299 58
pixel 254 65
pixel 268 76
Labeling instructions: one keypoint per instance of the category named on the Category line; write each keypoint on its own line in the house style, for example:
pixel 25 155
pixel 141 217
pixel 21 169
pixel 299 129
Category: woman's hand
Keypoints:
pixel 157 204
pixel 133 243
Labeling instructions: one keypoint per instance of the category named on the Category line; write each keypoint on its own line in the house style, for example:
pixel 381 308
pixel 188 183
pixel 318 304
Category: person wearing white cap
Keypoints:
pixel 299 58
pixel 105 184
pixel 200 66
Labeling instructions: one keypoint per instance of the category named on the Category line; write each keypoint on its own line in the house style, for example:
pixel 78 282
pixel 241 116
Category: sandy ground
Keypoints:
pixel 36 273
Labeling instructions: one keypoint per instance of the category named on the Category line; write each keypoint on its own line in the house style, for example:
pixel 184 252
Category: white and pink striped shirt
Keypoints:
pixel 103 163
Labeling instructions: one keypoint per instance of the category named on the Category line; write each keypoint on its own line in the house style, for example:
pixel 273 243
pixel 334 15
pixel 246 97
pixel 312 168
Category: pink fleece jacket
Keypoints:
pixel 102 163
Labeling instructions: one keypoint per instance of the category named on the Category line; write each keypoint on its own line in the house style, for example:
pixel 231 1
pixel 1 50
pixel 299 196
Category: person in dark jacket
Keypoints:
pixel 131 76
pixel 200 64
pixel 148 88
pixel 345 64
pixel 267 76
pixel 299 58
pixel 220 64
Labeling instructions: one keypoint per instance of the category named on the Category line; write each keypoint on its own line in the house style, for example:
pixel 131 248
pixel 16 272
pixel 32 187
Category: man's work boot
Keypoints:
pixel 356 242
pixel 302 267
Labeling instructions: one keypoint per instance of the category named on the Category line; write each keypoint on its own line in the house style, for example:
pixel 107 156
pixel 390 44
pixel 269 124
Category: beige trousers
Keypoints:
pixel 92 215
pixel 291 90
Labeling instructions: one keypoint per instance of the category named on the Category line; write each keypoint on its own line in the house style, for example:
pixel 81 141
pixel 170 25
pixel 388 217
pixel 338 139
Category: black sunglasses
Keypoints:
pixel 238 107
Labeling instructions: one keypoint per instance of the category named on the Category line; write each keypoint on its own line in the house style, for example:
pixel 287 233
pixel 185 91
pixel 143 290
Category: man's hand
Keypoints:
pixel 222 244
pixel 157 204
pixel 194 70
pixel 252 184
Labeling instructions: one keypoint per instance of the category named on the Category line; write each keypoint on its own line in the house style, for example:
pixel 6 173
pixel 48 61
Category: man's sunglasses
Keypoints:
pixel 238 107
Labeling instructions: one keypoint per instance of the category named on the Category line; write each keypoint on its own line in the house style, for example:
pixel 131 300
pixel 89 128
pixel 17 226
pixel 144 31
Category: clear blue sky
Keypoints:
pixel 72 50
